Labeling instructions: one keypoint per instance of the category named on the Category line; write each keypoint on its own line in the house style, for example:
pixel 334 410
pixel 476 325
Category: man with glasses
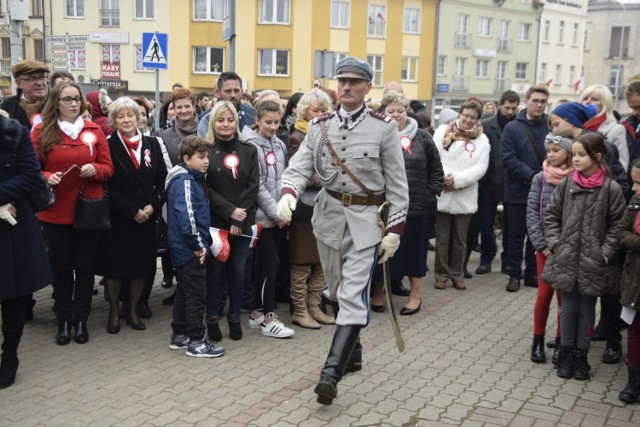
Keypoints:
pixel 522 151
pixel 32 78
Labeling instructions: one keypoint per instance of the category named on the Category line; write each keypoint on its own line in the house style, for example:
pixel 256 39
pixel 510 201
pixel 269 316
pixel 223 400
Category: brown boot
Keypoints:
pixel 301 317
pixel 315 296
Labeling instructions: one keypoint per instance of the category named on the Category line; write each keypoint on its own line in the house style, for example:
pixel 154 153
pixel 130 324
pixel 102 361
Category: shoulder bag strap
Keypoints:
pixel 336 159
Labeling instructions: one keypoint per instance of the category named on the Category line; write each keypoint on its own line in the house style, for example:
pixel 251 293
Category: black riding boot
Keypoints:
pixel 537 349
pixel 355 361
pixel 631 392
pixel 344 341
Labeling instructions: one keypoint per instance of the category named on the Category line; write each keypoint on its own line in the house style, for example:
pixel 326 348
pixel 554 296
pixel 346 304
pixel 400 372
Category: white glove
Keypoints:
pixel 6 215
pixel 388 247
pixel 286 206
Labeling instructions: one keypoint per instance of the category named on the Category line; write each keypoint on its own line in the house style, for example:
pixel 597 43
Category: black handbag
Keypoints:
pixel 92 214
pixel 42 196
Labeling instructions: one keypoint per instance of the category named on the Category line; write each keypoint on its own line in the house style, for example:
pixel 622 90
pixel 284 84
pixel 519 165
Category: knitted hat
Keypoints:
pixel 446 115
pixel 563 142
pixel 575 113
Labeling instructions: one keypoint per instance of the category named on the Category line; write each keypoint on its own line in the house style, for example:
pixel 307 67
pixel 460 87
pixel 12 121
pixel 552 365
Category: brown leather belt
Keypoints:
pixel 350 199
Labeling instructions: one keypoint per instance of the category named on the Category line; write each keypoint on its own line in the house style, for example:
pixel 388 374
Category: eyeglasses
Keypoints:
pixel 68 100
pixel 538 101
pixel 42 78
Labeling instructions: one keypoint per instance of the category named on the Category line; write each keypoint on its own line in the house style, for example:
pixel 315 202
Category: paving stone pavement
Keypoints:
pixel 466 363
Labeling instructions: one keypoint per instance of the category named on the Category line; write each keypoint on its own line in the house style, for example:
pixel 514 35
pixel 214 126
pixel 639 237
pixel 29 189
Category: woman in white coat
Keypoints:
pixel 464 152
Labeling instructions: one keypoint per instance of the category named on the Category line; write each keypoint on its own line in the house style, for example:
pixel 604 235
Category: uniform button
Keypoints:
pixel 344 148
pixel 343 172
pixel 343 160
pixel 323 154
pixel 344 137
pixel 365 154
pixel 333 164
pixel 344 183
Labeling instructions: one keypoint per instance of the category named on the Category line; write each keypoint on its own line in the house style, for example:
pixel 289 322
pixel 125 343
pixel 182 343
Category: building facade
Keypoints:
pixel 484 47
pixel 561 48
pixel 612 46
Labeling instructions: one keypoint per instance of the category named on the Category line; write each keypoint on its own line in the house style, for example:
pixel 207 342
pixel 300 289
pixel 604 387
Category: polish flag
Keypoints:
pixel 548 83
pixel 256 229
pixel 579 85
pixel 220 246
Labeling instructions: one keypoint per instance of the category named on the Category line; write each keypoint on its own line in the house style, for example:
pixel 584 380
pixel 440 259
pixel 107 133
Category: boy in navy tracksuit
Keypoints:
pixel 188 238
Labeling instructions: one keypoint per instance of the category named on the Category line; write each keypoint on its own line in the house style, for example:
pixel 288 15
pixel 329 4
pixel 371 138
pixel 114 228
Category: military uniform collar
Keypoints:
pixel 352 119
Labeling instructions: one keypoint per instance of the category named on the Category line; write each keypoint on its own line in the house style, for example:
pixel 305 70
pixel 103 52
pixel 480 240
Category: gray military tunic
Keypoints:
pixel 348 236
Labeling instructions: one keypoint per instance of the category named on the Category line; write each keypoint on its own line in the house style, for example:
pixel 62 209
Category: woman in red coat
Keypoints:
pixel 73 153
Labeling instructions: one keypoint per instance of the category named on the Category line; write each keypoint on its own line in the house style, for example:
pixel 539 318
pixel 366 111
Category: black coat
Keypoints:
pixel 23 259
pixel 493 179
pixel 12 106
pixel 127 250
pixel 424 176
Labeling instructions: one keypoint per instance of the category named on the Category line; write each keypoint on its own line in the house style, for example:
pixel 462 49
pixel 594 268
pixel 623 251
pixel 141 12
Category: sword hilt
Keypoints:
pixel 383 215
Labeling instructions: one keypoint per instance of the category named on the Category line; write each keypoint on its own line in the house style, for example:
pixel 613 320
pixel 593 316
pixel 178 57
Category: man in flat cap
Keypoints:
pixel 32 81
pixel 357 155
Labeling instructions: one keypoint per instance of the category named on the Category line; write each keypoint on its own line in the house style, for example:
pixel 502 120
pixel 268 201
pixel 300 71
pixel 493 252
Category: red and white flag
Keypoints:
pixel 579 85
pixel 256 229
pixel 220 244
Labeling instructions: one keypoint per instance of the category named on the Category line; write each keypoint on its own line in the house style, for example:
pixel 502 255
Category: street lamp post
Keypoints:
pixel 619 70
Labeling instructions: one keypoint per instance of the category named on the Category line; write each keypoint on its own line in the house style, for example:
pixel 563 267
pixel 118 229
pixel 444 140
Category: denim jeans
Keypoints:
pixel 233 273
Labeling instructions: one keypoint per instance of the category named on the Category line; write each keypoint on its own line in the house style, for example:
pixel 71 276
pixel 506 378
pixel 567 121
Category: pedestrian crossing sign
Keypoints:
pixel 154 47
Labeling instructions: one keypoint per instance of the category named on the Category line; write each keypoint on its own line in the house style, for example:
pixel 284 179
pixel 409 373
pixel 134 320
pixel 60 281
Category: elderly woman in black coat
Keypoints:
pixel 426 180
pixel 23 259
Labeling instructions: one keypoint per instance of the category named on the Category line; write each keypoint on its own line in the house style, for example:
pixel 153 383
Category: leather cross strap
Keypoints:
pixel 336 159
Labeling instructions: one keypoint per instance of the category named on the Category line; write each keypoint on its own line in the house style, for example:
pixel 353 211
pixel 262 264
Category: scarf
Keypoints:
pixel 410 128
pixel 594 122
pixel 185 129
pixel 553 174
pixel 72 130
pixel 132 146
pixel 31 108
pixel 301 125
pixel 593 181
pixel 454 133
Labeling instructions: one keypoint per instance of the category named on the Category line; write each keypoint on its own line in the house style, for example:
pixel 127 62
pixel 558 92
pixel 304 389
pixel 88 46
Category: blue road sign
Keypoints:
pixel 155 50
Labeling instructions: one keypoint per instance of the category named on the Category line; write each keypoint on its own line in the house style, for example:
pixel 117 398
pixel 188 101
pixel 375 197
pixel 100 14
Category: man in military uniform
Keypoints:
pixel 357 155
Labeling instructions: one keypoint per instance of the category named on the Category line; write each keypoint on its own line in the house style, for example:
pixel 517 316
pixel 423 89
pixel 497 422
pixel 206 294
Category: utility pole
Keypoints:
pixel 18 13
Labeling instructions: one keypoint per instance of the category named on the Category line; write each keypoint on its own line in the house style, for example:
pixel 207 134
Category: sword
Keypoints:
pixel 383 213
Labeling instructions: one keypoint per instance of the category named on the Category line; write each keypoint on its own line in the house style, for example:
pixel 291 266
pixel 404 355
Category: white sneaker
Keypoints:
pixel 275 328
pixel 255 323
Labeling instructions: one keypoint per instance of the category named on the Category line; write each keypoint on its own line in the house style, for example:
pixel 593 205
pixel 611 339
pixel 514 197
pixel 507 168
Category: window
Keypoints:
pixel 273 62
pixel 208 10
pixel 484 26
pixel 572 74
pixel 458 74
pixel 546 31
pixel 482 68
pixel 616 84
pixel 524 32
pixel 109 13
pixel 340 14
pixel 501 76
pixel 543 72
pixel 77 55
pixel 376 62
pixel 6 47
pixel 462 37
pixel 138 65
pixel 561 33
pixel 619 42
pixel 75 9
pixel 274 12
pixel 377 20
pixel 144 9
pixel 411 23
pixel 557 78
pixel 208 59
pixel 409 72
pixel 36 8
pixel 576 34
pixel 441 66
pixel 521 70
pixel 38 49
pixel 503 40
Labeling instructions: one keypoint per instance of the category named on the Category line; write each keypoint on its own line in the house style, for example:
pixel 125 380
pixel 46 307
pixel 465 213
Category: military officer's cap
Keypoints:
pixel 353 68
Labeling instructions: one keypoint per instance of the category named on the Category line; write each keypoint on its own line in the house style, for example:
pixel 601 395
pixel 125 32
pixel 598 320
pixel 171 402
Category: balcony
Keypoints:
pixel 502 84
pixel 109 17
pixel 5 67
pixel 505 45
pixel 463 40
pixel 460 83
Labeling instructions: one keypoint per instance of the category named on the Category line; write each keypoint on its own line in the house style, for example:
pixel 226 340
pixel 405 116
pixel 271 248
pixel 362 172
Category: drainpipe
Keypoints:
pixel 435 63
pixel 539 19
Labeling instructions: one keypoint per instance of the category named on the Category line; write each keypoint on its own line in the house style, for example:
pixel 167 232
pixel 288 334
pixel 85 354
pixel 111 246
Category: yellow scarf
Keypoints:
pixel 301 125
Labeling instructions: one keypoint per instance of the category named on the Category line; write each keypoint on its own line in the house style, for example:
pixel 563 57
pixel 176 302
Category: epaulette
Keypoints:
pixel 380 116
pixel 322 118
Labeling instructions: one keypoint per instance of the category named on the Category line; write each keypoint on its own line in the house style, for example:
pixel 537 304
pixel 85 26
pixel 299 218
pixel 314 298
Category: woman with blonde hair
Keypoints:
pixel 233 181
pixel 604 121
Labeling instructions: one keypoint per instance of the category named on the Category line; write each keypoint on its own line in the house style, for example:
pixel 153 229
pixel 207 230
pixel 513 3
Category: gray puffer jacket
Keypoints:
pixel 275 152
pixel 579 228
pixel 539 197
